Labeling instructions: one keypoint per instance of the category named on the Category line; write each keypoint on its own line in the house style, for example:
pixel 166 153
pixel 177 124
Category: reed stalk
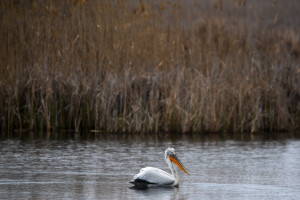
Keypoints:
pixel 209 66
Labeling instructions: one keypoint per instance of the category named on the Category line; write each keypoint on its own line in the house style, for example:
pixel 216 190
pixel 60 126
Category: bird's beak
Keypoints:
pixel 174 159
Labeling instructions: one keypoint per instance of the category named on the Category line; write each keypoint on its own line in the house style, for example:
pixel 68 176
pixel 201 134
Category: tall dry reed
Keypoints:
pixel 197 66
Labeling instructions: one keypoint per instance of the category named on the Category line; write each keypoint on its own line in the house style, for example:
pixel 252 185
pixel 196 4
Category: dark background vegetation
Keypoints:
pixel 150 66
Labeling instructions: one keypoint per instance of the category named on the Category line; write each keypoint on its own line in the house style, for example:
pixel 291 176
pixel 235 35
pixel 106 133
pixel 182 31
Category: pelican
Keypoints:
pixel 154 176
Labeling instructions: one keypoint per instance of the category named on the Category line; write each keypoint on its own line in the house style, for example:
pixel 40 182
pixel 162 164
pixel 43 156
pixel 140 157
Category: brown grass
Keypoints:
pixel 207 66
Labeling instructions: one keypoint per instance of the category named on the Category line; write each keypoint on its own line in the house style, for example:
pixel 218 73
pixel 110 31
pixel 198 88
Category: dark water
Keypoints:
pixel 98 166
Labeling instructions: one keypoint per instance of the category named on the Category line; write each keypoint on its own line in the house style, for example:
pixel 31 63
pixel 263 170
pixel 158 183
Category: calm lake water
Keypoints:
pixel 98 166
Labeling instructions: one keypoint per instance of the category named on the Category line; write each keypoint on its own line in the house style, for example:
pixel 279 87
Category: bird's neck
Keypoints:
pixel 174 173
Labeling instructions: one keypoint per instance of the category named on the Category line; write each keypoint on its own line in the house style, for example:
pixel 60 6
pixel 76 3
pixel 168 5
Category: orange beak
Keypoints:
pixel 175 160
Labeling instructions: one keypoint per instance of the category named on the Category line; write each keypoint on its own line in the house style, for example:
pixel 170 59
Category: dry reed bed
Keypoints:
pixel 122 66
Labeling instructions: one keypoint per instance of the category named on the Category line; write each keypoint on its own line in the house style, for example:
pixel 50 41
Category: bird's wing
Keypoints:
pixel 155 176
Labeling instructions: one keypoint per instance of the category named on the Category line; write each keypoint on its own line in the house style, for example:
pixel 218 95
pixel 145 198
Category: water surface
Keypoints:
pixel 98 166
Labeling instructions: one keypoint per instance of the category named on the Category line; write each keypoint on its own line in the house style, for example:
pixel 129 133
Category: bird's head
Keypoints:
pixel 170 154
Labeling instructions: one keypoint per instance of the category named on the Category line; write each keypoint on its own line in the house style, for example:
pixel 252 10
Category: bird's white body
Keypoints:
pixel 154 176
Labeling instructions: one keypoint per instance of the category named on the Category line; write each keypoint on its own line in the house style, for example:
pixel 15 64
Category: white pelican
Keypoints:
pixel 154 176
